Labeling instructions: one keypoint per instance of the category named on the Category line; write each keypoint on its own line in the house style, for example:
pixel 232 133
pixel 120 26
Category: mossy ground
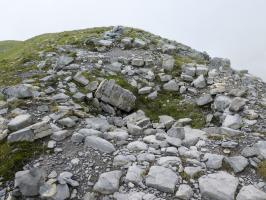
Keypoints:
pixel 14 156
pixel 262 169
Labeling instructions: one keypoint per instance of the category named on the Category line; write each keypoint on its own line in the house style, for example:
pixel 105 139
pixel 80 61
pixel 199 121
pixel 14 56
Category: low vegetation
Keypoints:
pixel 262 169
pixel 14 156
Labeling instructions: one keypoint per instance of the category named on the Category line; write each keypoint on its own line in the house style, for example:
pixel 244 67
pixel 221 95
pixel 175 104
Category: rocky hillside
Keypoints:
pixel 118 113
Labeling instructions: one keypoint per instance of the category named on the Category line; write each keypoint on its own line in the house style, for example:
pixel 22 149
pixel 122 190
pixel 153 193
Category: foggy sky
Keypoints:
pixel 235 29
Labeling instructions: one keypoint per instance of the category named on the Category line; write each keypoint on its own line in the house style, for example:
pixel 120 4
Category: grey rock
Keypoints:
pixel 204 100
pixel 176 132
pixel 166 120
pixel 137 146
pixel 250 192
pixel 60 97
pixel 189 69
pixel 19 122
pixel 62 192
pixel 145 90
pixel 19 91
pixel 184 192
pixel 193 171
pixel 218 186
pixel 171 86
pixel 81 79
pixel 169 48
pixel 60 135
pixel 109 92
pixel 260 147
pixel 200 82
pixel 64 60
pixel 237 163
pixel 138 43
pixel 108 182
pixel 168 62
pixel 162 178
pixel 222 102
pixel 238 92
pixel 118 135
pixel 232 121
pixel 214 161
pixel 121 160
pixel 137 62
pixel 237 104
pixel 96 123
pixel 230 132
pixel 134 175
pixel 67 122
pixel 99 144
pixel 134 129
pixel 249 152
pixel 29 181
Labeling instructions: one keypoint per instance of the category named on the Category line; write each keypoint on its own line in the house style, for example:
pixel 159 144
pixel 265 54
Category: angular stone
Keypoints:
pixel 19 91
pixel 176 132
pixel 81 79
pixel 168 62
pixel 108 182
pixel 109 92
pixel 237 104
pixel 260 147
pixel 250 192
pixel 134 175
pixel 29 181
pixel 237 163
pixel 171 86
pixel 218 186
pixel 184 192
pixel 222 102
pixel 214 161
pixel 200 82
pixel 204 100
pixel 137 146
pixel 162 178
pixel 60 135
pixel 137 62
pixel 19 122
pixel 99 144
pixel 232 121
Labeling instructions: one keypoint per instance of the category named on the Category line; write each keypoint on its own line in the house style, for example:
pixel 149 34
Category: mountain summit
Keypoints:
pixel 119 113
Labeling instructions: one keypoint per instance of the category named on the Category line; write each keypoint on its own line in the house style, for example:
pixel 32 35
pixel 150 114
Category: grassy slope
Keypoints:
pixel 13 58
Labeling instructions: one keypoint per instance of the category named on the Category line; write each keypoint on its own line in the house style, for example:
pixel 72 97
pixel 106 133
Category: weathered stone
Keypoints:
pixel 218 186
pixel 237 104
pixel 29 181
pixel 137 146
pixel 81 79
pixel 250 192
pixel 200 82
pixel 184 192
pixel 137 62
pixel 213 161
pixel 99 144
pixel 108 182
pixel 19 91
pixel 168 62
pixel 109 92
pixel 222 102
pixel 19 122
pixel 162 178
pixel 237 163
pixel 171 86
pixel 232 121
pixel 204 100
pixel 134 175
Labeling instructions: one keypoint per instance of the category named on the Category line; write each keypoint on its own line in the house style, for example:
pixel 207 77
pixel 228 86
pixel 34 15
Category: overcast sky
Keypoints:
pixel 235 29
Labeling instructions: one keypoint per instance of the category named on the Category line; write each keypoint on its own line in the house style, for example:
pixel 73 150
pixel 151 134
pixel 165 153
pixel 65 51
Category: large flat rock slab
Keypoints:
pixel 110 92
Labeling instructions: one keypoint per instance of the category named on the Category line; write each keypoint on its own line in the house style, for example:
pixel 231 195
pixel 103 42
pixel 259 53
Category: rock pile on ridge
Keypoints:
pixel 95 110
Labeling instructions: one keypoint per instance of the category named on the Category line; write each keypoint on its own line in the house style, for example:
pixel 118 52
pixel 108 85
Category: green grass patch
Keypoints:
pixel 14 156
pixel 262 169
pixel 168 103
pixel 16 54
